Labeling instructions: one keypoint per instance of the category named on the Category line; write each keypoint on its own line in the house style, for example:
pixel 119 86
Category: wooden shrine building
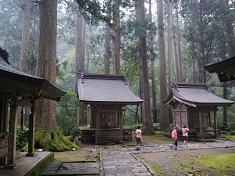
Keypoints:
pixel 195 106
pixel 106 97
pixel 224 69
pixel 18 89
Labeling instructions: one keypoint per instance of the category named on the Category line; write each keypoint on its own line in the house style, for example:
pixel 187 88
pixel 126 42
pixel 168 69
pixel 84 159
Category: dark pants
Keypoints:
pixel 138 141
pixel 175 142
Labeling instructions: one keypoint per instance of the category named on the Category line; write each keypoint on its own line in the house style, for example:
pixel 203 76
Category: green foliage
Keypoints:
pixel 10 34
pixel 232 132
pixel 156 126
pixel 96 11
pixel 21 137
pixel 131 116
pixel 65 71
pixel 226 135
pixel 66 114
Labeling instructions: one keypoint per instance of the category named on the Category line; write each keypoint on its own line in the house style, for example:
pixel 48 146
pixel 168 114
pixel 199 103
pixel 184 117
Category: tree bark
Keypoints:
pixel 46 63
pixel 107 46
pixel 169 35
pixel 147 124
pixel 176 56
pixel 116 37
pixel 152 58
pixel 80 60
pixel 178 43
pixel 24 67
pixel 162 63
pixel 201 61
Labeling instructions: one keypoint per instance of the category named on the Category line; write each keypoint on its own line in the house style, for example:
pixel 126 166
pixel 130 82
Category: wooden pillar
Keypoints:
pixel 1 115
pixel 97 133
pixel 89 115
pixel 120 122
pixel 31 130
pixel 215 124
pixel 6 115
pixel 210 123
pixel 201 124
pixel 12 135
pixel 22 119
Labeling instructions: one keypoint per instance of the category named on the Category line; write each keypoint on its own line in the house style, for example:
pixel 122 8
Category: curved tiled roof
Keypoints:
pixel 225 69
pixel 46 89
pixel 194 94
pixel 95 88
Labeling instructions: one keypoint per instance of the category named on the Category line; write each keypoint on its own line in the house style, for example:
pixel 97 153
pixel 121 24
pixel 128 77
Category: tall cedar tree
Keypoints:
pixel 147 123
pixel 46 63
pixel 161 49
pixel 25 36
pixel 152 67
pixel 47 135
pixel 116 37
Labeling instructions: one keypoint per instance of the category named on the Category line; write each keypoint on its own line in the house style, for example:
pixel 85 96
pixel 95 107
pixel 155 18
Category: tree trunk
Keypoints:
pixel 225 109
pixel 162 63
pixel 24 67
pixel 48 135
pixel 147 124
pixel 230 28
pixel 107 46
pixel 87 60
pixel 80 60
pixel 201 61
pixel 116 37
pixel 152 58
pixel 178 43
pixel 176 56
pixel 46 63
pixel 169 33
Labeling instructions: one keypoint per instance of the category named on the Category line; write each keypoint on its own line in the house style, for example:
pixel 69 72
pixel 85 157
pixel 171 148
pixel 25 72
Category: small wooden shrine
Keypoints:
pixel 224 69
pixel 195 106
pixel 106 97
pixel 18 89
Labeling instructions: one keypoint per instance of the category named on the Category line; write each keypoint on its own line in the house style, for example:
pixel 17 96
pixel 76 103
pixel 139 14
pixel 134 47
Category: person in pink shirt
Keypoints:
pixel 174 136
pixel 185 131
pixel 138 137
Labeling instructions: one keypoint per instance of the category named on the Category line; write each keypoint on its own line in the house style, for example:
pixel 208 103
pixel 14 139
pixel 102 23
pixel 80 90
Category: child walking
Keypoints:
pixel 185 131
pixel 138 137
pixel 174 136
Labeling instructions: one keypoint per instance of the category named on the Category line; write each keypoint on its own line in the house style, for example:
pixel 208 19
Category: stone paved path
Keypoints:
pixel 117 160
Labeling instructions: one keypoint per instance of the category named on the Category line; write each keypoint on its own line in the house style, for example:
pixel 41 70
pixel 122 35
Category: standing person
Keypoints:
pixel 138 137
pixel 174 136
pixel 185 131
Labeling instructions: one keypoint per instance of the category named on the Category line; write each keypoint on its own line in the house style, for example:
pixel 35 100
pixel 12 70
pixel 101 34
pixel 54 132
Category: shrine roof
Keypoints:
pixel 194 94
pixel 17 80
pixel 224 69
pixel 105 89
